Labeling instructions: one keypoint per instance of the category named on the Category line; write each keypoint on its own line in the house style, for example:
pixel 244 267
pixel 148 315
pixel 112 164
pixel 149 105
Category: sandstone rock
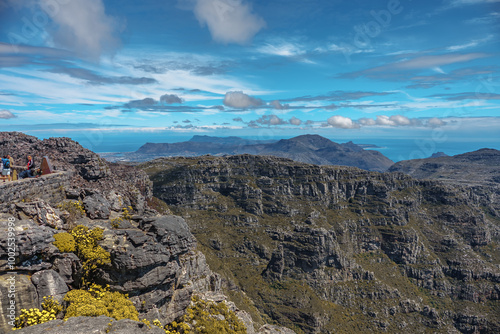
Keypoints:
pixel 49 283
pixel 15 287
pixel 43 213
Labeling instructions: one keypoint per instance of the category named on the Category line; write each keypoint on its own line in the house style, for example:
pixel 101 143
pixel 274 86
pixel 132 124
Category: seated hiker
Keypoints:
pixel 31 163
pixel 6 167
pixel 30 173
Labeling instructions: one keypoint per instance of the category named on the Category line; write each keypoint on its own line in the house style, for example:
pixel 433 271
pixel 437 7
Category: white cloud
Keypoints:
pixel 397 120
pixel 400 120
pixel 435 122
pixel 277 105
pixel 367 121
pixel 82 27
pixel 295 121
pixel 270 120
pixel 229 21
pixel 342 122
pixel 6 114
pixel 384 120
pixel 241 100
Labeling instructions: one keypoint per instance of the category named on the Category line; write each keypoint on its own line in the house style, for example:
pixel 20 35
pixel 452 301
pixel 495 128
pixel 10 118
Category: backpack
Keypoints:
pixel 6 163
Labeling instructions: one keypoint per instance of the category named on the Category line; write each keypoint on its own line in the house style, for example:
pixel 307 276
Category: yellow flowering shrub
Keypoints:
pixel 74 208
pixel 205 317
pixel 125 215
pixel 34 316
pixel 98 300
pixel 88 250
pixel 64 242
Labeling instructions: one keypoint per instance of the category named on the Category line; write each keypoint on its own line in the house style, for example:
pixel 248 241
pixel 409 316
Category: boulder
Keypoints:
pixel 42 212
pixel 96 206
pixel 49 283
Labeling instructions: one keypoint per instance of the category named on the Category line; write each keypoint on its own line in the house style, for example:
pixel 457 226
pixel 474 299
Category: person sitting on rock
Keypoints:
pixel 6 167
pixel 30 164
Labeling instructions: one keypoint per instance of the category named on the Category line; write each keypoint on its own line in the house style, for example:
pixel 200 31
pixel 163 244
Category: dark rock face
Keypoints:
pixel 315 246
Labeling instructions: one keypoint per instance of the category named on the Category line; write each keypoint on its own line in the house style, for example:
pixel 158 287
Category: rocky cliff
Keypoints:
pixel 478 167
pixel 119 185
pixel 154 258
pixel 325 249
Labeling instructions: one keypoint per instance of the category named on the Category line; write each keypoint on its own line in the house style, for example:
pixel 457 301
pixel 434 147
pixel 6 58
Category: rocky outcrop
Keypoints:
pixel 472 168
pixel 89 171
pixel 329 249
pixel 154 260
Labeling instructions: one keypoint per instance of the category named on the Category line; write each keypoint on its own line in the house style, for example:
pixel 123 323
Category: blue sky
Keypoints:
pixel 342 69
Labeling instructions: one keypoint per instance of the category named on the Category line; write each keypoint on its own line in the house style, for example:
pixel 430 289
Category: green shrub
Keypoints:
pixel 206 317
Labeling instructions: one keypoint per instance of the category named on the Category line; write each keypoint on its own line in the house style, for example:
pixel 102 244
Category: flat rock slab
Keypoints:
pixel 91 325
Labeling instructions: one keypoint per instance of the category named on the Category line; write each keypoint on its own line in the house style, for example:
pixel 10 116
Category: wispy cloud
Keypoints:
pixel 470 44
pixel 339 96
pixel 489 19
pixel 461 3
pixel 468 96
pixel 400 69
pixel 429 81
pixel 284 49
pixel 96 79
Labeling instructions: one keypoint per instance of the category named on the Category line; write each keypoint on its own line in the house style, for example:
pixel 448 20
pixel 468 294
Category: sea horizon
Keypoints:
pixel 396 149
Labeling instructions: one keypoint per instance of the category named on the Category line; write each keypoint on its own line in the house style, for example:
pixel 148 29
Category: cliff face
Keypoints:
pixel 154 257
pixel 334 249
pixel 478 167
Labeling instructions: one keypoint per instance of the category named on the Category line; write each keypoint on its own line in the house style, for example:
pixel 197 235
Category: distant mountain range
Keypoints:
pixel 478 167
pixel 312 149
